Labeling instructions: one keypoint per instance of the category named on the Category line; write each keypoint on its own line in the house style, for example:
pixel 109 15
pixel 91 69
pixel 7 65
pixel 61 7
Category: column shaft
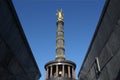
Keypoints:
pixel 69 72
pixel 63 71
pixel 47 73
pixel 60 42
pixel 51 71
pixel 56 70
pixel 73 73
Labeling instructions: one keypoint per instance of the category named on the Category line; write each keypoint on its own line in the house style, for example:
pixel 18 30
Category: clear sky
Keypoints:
pixel 38 19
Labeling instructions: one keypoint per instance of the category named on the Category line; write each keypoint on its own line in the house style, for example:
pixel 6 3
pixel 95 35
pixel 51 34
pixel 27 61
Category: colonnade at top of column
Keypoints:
pixel 55 71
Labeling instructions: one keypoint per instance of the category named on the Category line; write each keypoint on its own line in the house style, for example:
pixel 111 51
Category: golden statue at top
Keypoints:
pixel 60 14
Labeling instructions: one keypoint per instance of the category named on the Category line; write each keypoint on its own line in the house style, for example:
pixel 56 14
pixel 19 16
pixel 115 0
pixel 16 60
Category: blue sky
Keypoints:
pixel 38 20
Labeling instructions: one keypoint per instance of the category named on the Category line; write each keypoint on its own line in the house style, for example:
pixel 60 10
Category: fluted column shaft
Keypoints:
pixel 60 51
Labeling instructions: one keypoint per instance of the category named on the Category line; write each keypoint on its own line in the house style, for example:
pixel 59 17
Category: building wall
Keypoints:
pixel 105 46
pixel 16 59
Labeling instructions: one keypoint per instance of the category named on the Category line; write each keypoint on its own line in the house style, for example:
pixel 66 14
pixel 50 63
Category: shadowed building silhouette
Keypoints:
pixel 102 61
pixel 16 59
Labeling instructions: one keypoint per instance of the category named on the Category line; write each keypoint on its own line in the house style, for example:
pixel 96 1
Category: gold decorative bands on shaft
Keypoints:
pixel 60 31
pixel 62 38
pixel 60 47
pixel 60 56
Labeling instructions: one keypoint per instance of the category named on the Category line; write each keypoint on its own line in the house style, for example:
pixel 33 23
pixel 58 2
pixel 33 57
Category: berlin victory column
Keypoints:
pixel 60 68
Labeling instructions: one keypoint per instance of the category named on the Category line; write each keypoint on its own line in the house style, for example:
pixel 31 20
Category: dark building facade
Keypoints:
pixel 102 61
pixel 16 59
pixel 60 68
